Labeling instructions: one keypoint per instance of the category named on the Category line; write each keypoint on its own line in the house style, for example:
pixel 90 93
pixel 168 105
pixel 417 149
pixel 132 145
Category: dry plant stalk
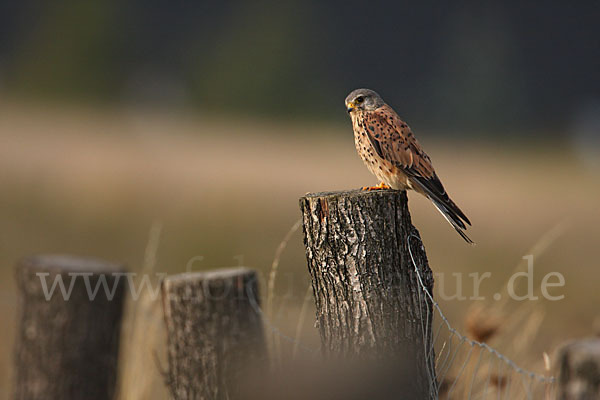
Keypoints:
pixel 274 341
pixel 144 336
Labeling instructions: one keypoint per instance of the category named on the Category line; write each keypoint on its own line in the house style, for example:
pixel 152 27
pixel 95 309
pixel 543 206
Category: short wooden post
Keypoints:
pixel 578 364
pixel 68 338
pixel 368 298
pixel 214 332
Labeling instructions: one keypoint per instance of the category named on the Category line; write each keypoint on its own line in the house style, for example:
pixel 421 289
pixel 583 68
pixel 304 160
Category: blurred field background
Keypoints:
pixel 212 119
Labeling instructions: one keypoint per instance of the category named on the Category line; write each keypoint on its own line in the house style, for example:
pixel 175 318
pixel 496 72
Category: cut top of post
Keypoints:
pixel 356 193
pixel 321 202
pixel 67 263
pixel 205 276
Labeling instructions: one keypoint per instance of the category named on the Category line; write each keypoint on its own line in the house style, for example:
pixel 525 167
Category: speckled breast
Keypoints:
pixel 384 170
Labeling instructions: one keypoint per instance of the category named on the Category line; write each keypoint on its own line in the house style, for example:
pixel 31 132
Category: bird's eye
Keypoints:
pixel 360 99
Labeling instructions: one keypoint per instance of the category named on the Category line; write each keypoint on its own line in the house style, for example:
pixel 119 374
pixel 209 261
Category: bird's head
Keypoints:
pixel 363 100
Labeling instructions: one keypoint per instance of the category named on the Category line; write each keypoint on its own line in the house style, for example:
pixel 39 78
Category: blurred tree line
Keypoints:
pixel 460 65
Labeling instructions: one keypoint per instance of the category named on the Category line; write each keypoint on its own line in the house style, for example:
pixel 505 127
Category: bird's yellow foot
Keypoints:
pixel 381 186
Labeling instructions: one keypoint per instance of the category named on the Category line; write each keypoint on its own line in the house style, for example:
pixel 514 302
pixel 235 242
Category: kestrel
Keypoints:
pixel 391 152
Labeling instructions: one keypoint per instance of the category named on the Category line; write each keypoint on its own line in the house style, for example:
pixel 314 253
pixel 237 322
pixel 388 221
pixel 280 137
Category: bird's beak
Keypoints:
pixel 349 107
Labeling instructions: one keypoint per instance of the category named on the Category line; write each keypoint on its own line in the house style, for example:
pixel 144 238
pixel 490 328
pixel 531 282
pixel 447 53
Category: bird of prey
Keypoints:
pixel 391 152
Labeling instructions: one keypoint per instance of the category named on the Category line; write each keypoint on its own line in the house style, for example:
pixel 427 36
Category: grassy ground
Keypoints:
pixel 93 183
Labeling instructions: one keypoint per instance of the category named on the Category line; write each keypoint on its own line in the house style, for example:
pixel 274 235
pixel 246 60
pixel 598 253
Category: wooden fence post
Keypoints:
pixel 214 332
pixel 578 365
pixel 68 339
pixel 368 299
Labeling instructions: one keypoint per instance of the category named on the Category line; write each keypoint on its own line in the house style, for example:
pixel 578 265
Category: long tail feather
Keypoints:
pixel 433 189
pixel 452 218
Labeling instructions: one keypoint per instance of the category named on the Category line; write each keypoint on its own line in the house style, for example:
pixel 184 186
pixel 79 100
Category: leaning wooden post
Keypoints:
pixel 368 298
pixel 68 336
pixel 214 332
pixel 578 364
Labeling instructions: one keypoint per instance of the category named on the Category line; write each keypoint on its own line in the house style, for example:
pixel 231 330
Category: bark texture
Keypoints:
pixel 368 299
pixel 67 346
pixel 215 332
pixel 579 370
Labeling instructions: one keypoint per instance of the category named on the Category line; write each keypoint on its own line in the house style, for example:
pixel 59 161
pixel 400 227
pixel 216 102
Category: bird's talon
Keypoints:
pixel 381 186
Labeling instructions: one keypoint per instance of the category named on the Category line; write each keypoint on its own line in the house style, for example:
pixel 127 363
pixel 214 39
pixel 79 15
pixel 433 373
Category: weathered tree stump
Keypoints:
pixel 214 332
pixel 368 298
pixel 578 365
pixel 68 340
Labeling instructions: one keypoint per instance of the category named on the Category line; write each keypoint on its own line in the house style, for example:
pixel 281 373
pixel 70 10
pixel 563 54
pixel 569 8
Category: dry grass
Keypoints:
pixel 511 327
pixel 141 374
pixel 273 340
pixel 91 183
